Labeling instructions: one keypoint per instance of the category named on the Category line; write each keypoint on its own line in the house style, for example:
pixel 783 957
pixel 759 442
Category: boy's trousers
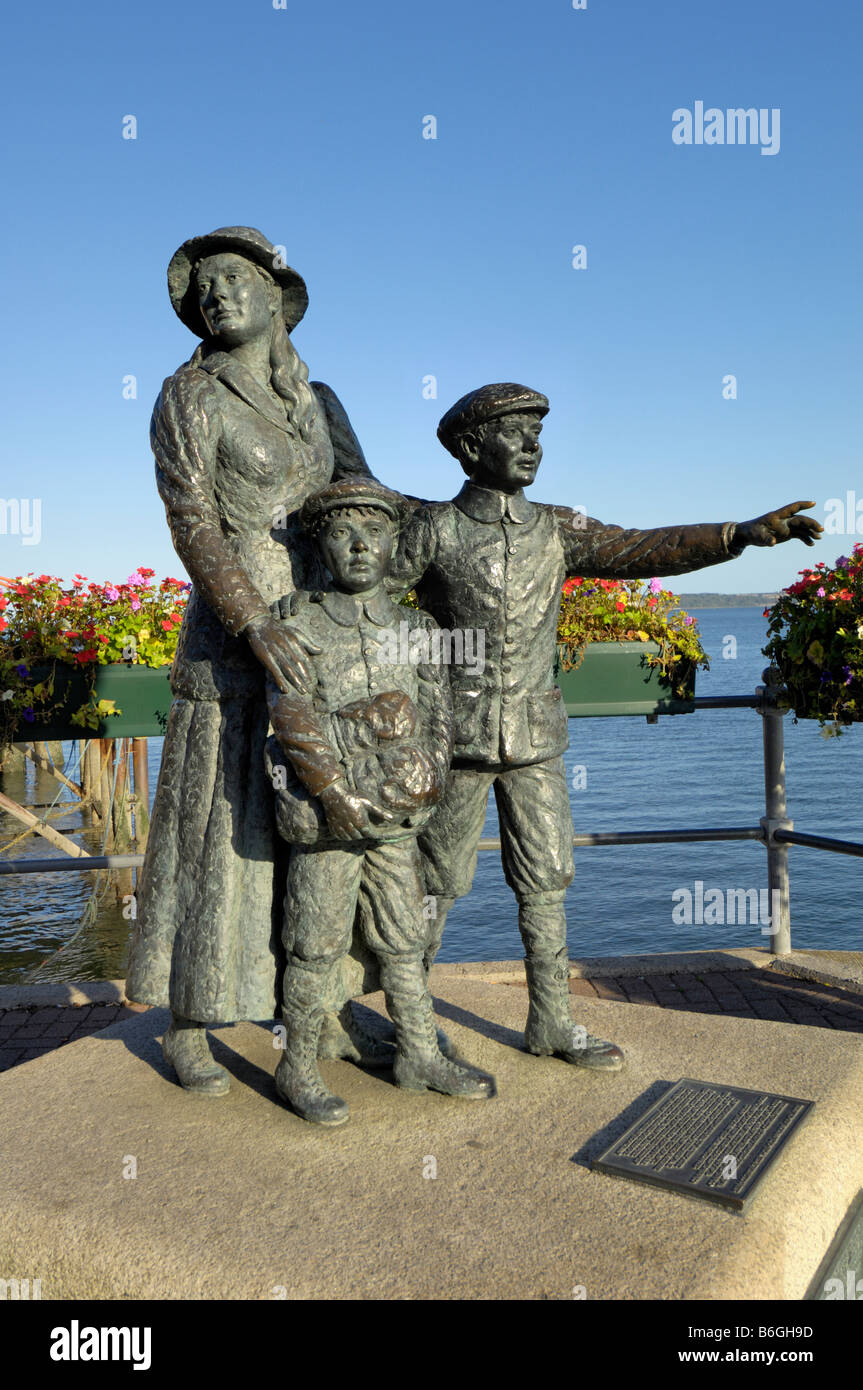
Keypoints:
pixel 381 883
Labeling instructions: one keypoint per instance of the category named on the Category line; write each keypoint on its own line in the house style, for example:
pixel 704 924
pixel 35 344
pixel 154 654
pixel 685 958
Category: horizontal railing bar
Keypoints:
pixel 799 837
pixel 610 837
pixel 654 837
pixel 729 701
pixel 50 866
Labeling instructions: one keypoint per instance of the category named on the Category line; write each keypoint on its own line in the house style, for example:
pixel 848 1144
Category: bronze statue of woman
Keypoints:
pixel 241 438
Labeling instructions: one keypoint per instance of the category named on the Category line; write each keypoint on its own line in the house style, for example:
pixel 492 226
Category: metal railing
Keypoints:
pixel 775 831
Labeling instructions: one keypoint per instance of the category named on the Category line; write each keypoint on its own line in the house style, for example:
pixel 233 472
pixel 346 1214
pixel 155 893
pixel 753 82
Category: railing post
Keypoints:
pixel 776 817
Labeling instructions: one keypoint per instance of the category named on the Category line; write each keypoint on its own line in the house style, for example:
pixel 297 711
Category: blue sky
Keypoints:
pixel 449 257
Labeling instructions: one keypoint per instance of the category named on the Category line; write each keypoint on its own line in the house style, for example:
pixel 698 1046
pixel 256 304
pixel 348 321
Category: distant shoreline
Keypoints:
pixel 727 600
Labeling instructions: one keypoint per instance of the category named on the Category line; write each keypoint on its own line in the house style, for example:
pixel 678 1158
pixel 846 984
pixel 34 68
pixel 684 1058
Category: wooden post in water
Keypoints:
pixel 122 819
pixel 142 792
pixel 106 756
pixel 91 763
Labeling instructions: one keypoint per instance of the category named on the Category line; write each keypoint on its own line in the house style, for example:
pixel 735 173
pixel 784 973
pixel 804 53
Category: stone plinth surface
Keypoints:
pixel 236 1197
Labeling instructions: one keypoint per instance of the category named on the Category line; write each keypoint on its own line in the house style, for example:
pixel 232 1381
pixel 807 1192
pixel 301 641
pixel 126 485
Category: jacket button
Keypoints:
pixel 511 550
pixel 505 699
pixel 505 666
pixel 509 641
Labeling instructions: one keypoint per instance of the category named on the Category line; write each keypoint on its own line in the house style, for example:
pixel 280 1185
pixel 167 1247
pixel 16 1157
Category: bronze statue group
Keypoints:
pixel 323 788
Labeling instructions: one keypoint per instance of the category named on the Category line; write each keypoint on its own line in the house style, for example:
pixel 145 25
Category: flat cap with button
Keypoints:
pixel 487 403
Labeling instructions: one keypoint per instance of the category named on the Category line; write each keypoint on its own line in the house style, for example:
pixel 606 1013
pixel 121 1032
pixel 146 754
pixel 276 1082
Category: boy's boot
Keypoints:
pixel 550 1030
pixel 186 1049
pixel 298 1080
pixel 343 1036
pixel 420 1065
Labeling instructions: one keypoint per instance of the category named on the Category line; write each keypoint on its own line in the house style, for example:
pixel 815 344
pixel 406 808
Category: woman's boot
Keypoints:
pixel 420 1065
pixel 186 1049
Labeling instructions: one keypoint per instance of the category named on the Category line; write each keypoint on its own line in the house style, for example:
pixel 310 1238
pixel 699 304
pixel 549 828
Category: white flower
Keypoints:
pixel 8 695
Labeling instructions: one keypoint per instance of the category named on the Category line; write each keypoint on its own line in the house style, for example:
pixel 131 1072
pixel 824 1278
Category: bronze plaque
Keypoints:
pixel 706 1140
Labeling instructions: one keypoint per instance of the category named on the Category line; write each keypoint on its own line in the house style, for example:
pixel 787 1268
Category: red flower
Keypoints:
pixel 620 605
pixel 89 655
pixel 165 624
pixel 3 624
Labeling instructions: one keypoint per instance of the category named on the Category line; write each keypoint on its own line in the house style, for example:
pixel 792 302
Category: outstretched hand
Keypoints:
pixel 782 525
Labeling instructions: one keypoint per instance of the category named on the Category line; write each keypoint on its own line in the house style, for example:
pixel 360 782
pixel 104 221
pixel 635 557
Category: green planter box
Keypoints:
pixel 614 678
pixel 143 693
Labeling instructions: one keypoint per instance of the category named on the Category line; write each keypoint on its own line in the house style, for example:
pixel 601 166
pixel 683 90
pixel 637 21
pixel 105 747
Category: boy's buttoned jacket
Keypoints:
pixel 362 654
pixel 496 562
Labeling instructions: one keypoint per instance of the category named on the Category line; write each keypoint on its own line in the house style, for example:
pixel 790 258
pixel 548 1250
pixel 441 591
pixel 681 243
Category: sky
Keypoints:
pixel 450 257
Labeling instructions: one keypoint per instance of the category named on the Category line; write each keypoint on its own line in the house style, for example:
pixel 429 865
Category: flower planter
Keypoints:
pixel 799 697
pixel 615 678
pixel 142 693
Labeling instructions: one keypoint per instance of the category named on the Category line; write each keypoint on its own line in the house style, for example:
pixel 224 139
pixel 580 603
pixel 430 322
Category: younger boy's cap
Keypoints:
pixel 353 492
pixel 487 403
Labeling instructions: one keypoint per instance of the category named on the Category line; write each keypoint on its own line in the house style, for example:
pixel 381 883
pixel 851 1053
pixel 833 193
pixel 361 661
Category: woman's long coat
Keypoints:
pixel 232 474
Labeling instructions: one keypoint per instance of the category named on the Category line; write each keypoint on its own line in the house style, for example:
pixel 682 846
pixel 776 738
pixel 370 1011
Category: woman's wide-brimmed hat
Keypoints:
pixel 242 241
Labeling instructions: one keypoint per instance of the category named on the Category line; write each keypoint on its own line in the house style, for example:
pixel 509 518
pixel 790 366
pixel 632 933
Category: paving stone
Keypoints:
pixel 771 1010
pixel 14 1018
pixel 639 991
pixel 103 1014
pixel 43 1017
pixel 582 987
pixel 609 989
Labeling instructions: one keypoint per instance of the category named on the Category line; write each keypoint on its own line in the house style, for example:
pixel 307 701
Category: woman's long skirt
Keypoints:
pixel 207 938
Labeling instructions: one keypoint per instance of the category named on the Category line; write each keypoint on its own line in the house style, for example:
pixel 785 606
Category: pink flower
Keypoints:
pixel 655 586
pixel 136 604
pixel 821 592
pixel 112 593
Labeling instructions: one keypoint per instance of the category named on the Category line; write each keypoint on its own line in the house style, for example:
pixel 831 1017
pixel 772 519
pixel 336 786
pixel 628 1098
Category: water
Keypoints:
pixel 702 769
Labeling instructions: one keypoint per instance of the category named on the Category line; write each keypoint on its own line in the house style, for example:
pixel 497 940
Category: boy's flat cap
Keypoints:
pixel 487 403
pixel 354 492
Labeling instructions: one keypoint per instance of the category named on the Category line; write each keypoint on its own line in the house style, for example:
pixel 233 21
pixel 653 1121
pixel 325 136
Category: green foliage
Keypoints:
pixel 632 610
pixel 816 642
pixel 44 622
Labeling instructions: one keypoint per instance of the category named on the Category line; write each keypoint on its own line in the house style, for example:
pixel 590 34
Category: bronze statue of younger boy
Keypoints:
pixel 492 560
pixel 363 761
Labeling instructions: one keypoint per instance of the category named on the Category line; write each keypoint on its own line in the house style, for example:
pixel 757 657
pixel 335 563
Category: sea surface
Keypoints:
pixel 701 769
